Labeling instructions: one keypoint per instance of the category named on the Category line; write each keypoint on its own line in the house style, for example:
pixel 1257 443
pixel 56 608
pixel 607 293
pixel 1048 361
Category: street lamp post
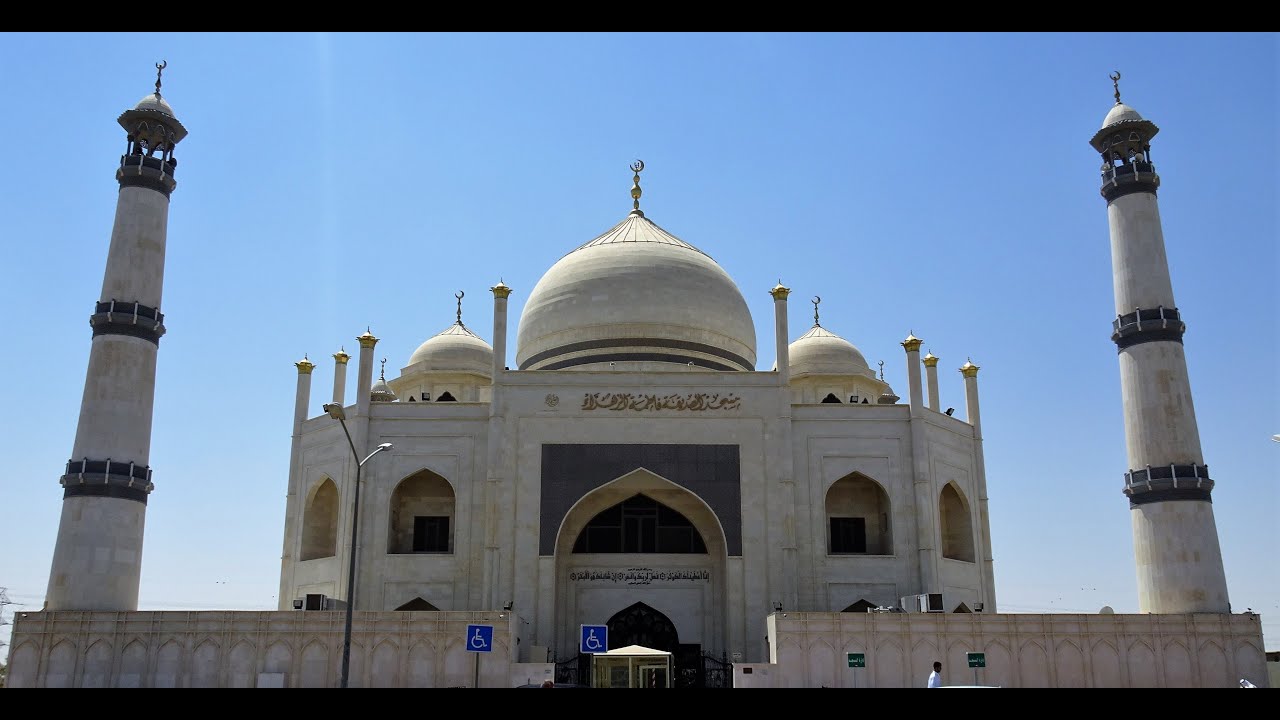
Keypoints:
pixel 335 412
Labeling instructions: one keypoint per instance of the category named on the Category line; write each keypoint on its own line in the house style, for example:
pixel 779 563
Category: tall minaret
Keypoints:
pixel 1175 538
pixel 97 561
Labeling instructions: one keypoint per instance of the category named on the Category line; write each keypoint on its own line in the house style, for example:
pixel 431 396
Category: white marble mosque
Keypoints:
pixel 634 469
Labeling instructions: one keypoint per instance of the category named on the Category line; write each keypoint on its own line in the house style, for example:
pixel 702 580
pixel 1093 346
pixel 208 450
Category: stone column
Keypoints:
pixel 502 580
pixel 781 336
pixel 340 359
pixel 987 571
pixel 931 377
pixel 364 376
pixel 358 426
pixel 925 497
pixel 301 403
pixel 784 472
pixel 500 294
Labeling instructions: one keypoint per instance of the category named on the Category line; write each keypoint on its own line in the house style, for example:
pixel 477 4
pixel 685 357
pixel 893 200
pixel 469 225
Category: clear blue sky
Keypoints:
pixel 940 184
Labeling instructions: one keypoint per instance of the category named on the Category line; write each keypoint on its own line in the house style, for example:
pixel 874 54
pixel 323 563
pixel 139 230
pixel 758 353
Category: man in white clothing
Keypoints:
pixel 935 677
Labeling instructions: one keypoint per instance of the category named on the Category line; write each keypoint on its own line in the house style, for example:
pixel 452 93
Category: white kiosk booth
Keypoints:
pixel 632 666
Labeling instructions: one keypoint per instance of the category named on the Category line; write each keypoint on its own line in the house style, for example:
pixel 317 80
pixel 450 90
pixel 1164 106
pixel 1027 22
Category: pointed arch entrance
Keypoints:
pixel 648 558
pixel 644 626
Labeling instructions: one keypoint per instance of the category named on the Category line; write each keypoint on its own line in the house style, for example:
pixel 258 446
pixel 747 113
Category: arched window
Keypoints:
pixel 861 606
pixel 320 523
pixel 858 517
pixel 957 527
pixel 422 512
pixel 446 396
pixel 831 398
pixel 639 524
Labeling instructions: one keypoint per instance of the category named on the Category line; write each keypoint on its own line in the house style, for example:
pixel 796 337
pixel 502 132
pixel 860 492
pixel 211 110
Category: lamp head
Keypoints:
pixel 949 411
pixel 384 446
pixel 510 604
pixel 335 411
pixel 777 606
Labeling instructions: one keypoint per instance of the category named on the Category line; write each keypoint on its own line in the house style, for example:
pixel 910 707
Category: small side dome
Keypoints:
pixel 153 110
pixel 153 101
pixel 456 349
pixel 380 392
pixel 822 352
pixel 1120 113
pixel 887 397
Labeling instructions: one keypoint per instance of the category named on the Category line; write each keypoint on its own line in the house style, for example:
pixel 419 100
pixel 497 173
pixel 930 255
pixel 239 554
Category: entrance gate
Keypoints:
pixel 642 625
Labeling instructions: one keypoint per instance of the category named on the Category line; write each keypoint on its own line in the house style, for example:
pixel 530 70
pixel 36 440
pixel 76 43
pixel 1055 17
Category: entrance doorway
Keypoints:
pixel 644 626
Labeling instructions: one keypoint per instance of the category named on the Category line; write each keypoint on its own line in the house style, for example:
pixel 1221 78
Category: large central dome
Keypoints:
pixel 636 298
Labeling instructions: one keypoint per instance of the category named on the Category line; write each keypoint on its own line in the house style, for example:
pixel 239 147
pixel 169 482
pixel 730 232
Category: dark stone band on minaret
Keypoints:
pixel 1147 325
pixel 105 478
pixel 147 172
pixel 1128 179
pixel 1166 483
pixel 132 319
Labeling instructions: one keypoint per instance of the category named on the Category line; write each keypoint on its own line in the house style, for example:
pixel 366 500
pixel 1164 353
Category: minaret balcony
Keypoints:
pixel 1129 178
pixel 166 167
pixel 148 172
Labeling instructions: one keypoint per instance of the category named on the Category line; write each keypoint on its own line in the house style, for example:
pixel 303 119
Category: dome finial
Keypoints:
pixel 382 375
pixel 460 294
pixel 816 299
pixel 160 66
pixel 881 371
pixel 636 192
pixel 1115 82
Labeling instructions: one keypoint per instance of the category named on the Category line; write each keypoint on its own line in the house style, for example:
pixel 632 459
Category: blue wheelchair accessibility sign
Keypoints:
pixel 594 639
pixel 479 638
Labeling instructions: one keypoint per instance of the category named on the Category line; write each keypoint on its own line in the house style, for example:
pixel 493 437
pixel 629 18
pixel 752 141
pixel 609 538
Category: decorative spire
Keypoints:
pixel 304 366
pixel 912 343
pixel 160 66
pixel 930 360
pixel 636 192
pixel 501 290
pixel 341 356
pixel 780 291
pixel 968 369
pixel 1115 82
pixel 367 340
pixel 460 294
pixel 381 392
pixel 816 299
pixel 881 371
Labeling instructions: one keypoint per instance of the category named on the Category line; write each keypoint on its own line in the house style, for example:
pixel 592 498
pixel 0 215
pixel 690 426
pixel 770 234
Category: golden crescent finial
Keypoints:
pixel 636 192
pixel 1115 82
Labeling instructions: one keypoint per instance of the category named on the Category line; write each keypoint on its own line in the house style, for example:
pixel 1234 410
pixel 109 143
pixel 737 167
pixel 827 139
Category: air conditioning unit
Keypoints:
pixel 924 602
pixel 315 601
